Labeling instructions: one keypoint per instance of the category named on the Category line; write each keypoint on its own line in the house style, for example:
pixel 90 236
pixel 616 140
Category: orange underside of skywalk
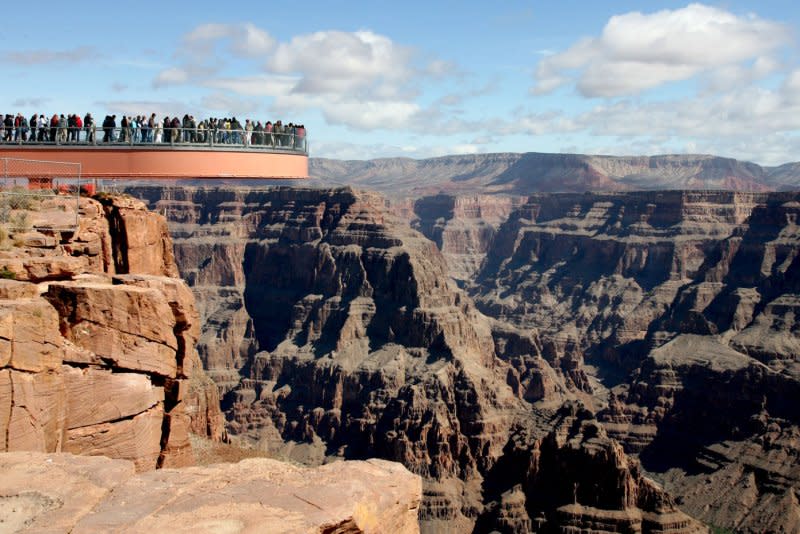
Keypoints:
pixel 167 162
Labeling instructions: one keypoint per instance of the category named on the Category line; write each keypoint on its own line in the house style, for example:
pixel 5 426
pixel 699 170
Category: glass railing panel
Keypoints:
pixel 132 136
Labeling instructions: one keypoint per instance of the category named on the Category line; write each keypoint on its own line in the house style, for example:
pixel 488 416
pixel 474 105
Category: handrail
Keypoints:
pixel 156 137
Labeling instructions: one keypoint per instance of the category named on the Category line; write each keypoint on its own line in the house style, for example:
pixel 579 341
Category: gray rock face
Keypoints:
pixel 683 304
pixel 333 329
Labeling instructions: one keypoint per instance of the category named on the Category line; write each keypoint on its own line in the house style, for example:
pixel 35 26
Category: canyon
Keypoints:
pixel 529 356
pixel 644 343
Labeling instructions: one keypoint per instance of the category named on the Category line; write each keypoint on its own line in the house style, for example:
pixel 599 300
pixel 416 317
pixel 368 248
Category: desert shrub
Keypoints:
pixel 7 273
pixel 20 221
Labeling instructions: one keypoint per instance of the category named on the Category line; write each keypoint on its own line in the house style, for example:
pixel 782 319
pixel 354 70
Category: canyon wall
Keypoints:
pixel 333 330
pixel 97 341
pixel 462 227
pixel 671 315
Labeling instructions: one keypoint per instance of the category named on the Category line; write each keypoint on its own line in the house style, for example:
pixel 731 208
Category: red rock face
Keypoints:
pixel 101 364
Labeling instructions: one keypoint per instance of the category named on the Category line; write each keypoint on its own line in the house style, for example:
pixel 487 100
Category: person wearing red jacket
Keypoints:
pixel 76 133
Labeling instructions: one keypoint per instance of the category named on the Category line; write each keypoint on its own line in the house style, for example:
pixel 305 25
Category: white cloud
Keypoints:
pixel 229 105
pixel 258 85
pixel 729 77
pixel 252 42
pixel 171 76
pixel 338 62
pixel 371 115
pixel 245 40
pixel 637 51
pixel 34 102
pixel 360 151
pixel 207 32
pixel 145 107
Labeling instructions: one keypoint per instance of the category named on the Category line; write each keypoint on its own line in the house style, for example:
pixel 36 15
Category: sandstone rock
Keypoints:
pixel 99 396
pixel 128 325
pixel 137 439
pixel 176 450
pixel 83 495
pixel 103 370
pixel 15 290
pixel 32 410
pixel 35 240
pixel 51 268
pixel 52 492
pixel 29 339
pixel 141 239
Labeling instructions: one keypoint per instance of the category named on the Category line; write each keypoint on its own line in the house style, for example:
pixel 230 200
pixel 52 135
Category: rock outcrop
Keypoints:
pixel 577 479
pixel 97 342
pixel 64 493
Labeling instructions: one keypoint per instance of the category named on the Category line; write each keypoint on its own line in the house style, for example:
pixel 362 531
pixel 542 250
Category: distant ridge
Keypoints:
pixel 531 172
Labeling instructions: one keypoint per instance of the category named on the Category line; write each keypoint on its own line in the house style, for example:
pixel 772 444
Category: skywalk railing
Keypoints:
pixel 158 137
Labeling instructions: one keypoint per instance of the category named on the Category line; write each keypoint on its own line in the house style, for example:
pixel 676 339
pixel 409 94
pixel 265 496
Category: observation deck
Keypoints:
pixel 119 153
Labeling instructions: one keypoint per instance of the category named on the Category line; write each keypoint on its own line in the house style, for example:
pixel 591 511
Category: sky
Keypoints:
pixel 424 79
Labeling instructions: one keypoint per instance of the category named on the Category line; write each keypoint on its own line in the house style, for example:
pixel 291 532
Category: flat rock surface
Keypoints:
pixel 64 493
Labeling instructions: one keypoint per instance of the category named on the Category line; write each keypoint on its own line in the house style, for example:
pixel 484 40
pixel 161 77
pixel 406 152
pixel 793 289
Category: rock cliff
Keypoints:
pixel 332 331
pixel 461 226
pixel 672 314
pixel 97 341
pixel 577 479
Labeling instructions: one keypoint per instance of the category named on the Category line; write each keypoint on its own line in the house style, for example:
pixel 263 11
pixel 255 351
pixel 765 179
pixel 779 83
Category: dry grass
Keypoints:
pixel 207 452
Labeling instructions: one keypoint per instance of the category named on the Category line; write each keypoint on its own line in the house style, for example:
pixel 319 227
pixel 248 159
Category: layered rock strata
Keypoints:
pixel 461 226
pixel 97 342
pixel 577 479
pixel 332 330
pixel 64 493
pixel 673 314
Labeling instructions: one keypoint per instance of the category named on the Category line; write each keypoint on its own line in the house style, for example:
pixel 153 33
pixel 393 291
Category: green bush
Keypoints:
pixel 7 273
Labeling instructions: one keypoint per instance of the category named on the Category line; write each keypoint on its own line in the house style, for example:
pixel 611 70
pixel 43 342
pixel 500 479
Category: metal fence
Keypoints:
pixel 39 195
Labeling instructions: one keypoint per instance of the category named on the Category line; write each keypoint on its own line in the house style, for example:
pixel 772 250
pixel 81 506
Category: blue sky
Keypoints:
pixel 422 79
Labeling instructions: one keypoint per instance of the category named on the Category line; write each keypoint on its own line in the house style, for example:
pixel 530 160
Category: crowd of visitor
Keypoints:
pixel 141 129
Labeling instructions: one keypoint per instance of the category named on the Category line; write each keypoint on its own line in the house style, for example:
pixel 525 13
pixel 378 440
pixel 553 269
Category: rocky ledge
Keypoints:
pixel 83 495
pixel 97 339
